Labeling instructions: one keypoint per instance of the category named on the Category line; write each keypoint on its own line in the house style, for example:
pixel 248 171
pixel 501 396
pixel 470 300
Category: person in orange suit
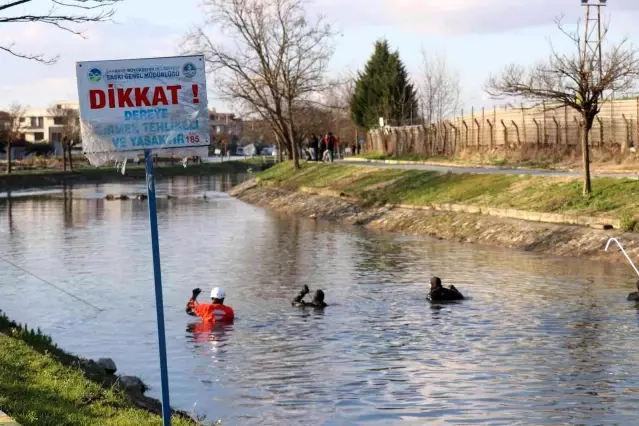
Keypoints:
pixel 213 312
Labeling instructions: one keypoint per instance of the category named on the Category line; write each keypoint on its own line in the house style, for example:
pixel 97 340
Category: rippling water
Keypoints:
pixel 541 340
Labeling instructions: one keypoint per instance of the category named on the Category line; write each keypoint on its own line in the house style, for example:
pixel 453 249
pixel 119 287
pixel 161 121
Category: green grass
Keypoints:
pixel 36 388
pixel 611 197
pixel 491 161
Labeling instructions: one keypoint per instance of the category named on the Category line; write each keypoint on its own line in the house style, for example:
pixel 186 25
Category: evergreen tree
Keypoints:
pixel 384 90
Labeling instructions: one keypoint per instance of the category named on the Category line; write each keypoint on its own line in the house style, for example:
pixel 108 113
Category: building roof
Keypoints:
pixel 46 112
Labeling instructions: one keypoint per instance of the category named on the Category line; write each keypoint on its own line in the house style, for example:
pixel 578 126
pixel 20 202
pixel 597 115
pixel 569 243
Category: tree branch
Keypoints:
pixel 38 58
pixel 15 3
pixel 56 16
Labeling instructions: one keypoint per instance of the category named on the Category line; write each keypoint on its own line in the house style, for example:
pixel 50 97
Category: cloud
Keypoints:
pixel 459 17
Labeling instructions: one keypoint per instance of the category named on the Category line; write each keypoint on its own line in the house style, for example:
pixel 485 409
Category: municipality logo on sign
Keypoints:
pixel 95 75
pixel 189 70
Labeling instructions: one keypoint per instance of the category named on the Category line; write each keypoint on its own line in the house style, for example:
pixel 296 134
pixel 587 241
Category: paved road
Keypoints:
pixel 487 170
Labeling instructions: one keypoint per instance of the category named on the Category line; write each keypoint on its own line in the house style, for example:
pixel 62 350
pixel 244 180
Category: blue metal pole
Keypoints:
pixel 159 304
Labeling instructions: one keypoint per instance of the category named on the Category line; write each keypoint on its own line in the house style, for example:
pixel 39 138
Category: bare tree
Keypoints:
pixel 277 62
pixel 68 121
pixel 62 14
pixel 440 88
pixel 578 80
pixel 15 125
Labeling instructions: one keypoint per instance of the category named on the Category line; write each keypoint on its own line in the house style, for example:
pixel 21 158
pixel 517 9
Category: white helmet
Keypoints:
pixel 218 293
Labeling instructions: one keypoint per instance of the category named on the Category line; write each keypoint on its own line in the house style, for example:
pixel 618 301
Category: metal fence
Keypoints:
pixel 616 126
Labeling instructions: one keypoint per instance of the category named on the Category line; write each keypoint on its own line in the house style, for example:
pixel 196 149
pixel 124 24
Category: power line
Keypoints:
pixel 52 285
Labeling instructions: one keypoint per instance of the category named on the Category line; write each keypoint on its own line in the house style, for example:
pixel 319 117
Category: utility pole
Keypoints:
pixel 591 49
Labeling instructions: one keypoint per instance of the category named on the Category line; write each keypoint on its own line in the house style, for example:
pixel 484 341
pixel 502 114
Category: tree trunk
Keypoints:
pixel 64 156
pixel 293 144
pixel 289 149
pixel 8 157
pixel 296 156
pixel 70 158
pixel 585 150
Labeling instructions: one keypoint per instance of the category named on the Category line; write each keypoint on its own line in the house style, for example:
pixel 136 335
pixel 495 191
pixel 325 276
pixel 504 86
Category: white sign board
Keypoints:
pixel 133 105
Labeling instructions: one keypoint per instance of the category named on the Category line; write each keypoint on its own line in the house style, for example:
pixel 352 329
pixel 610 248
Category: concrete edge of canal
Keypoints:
pixel 527 234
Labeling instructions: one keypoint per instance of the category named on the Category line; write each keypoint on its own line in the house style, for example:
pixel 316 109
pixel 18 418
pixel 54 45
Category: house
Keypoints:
pixel 43 124
pixel 224 124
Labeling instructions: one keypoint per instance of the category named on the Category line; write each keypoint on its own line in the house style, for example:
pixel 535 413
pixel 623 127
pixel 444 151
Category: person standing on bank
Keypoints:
pixel 330 146
pixel 322 148
pixel 314 146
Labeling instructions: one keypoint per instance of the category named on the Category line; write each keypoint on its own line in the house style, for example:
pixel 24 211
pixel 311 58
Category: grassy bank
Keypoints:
pixel 40 178
pixel 602 159
pixel 412 157
pixel 42 385
pixel 552 162
pixel 611 198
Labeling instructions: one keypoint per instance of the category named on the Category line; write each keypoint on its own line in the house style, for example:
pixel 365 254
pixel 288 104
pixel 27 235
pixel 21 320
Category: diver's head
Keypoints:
pixel 318 297
pixel 435 282
pixel 218 294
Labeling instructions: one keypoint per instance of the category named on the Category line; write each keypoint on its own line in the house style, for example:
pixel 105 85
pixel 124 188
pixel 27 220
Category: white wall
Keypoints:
pixel 48 127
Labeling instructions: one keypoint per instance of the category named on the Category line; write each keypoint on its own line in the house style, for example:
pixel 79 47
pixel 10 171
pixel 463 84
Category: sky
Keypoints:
pixel 478 37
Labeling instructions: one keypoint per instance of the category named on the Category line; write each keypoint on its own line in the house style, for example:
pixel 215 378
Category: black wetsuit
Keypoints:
pixel 441 294
pixel 303 304
pixel 634 296
pixel 299 301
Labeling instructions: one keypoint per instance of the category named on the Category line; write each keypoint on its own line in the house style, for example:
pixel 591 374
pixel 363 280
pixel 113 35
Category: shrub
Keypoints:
pixel 627 222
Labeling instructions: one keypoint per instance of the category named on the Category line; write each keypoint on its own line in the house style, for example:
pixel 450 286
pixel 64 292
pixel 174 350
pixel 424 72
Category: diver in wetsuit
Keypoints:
pixel 634 296
pixel 318 299
pixel 439 293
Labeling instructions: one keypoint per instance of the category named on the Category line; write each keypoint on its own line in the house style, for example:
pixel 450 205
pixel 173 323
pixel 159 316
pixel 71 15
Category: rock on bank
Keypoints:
pixel 563 240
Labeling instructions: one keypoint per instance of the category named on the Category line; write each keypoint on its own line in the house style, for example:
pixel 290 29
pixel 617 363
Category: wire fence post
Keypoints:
pixel 523 123
pixel 544 125
pixel 566 125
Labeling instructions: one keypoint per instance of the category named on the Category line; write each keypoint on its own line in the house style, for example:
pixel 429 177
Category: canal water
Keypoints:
pixel 541 340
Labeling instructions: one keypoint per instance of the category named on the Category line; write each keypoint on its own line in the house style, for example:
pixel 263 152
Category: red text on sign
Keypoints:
pixel 133 97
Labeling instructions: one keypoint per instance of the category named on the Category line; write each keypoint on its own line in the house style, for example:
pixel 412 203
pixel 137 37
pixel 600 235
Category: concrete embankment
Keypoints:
pixel 528 235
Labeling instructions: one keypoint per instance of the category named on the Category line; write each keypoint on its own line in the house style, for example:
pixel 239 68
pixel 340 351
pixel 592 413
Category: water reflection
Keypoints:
pixel 386 256
pixel 539 341
pixel 211 337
